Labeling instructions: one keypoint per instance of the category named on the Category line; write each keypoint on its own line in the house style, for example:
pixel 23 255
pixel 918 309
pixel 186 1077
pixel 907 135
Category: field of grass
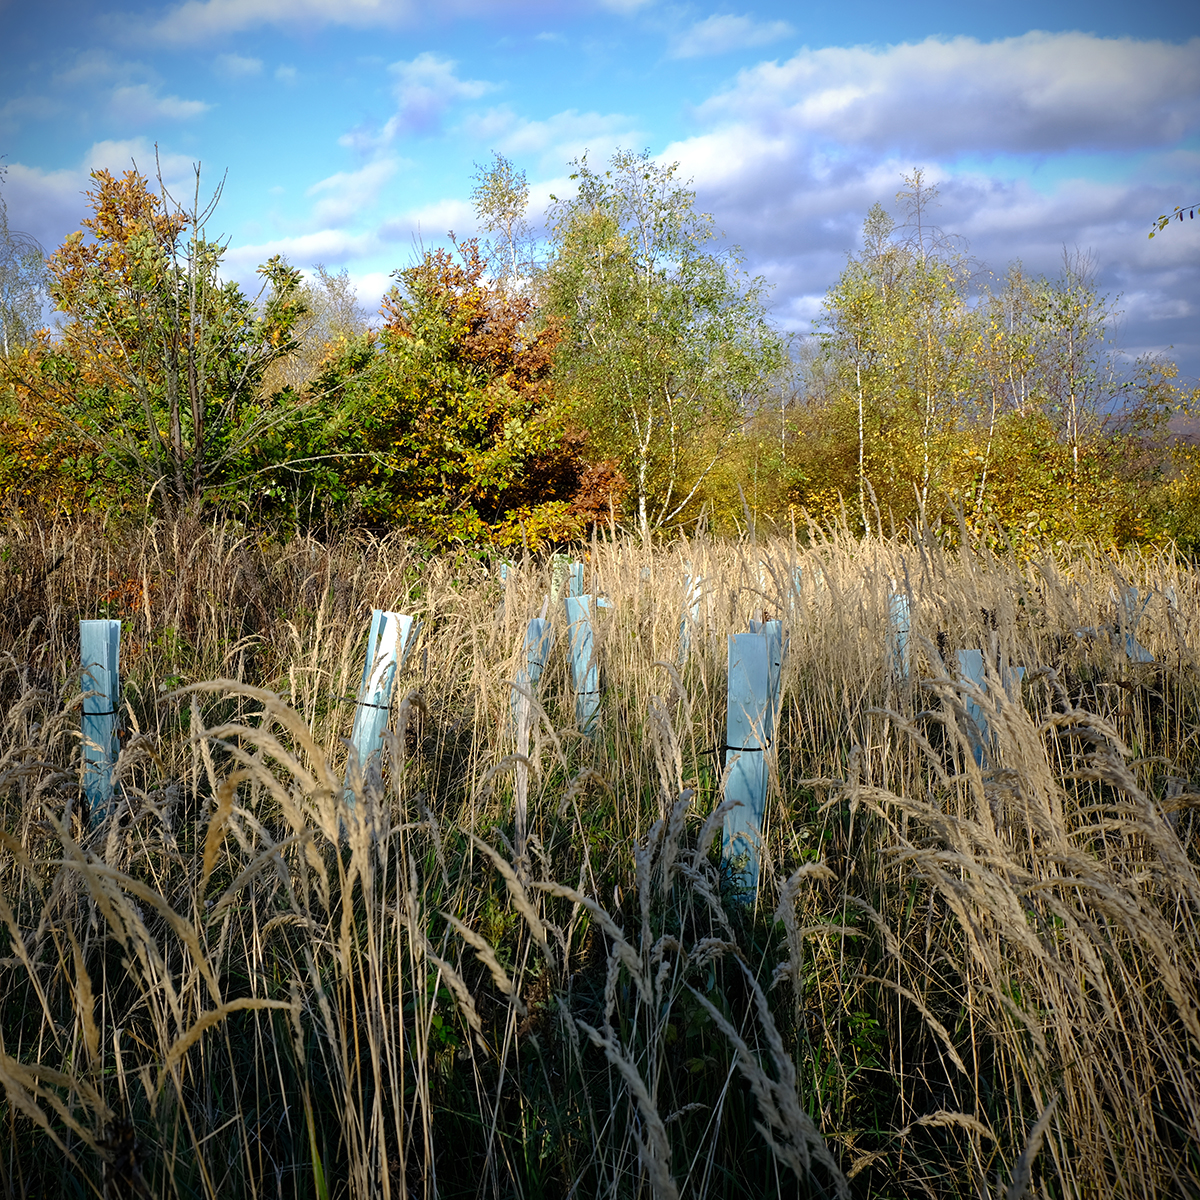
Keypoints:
pixel 954 982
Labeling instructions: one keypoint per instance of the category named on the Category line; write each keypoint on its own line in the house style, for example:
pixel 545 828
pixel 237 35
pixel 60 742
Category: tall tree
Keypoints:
pixel 667 342
pixel 501 198
pixel 942 330
pixel 446 423
pixel 23 282
pixel 898 337
pixel 160 363
pixel 332 318
pixel 1079 383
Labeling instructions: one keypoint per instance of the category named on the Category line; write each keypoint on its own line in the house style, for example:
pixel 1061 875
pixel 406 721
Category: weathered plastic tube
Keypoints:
pixel 899 629
pixel 773 632
pixel 390 638
pixel 694 592
pixel 575 579
pixel 970 665
pixel 539 641
pixel 585 674
pixel 748 719
pixel 100 654
pixel 1132 608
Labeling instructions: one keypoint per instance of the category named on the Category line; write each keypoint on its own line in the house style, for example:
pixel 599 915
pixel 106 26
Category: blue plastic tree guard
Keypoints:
pixel 776 648
pixel 693 591
pixel 1133 606
pixel 970 665
pixel 899 628
pixel 539 641
pixel 575 579
pixel 749 719
pixel 585 674
pixel 100 654
pixel 390 638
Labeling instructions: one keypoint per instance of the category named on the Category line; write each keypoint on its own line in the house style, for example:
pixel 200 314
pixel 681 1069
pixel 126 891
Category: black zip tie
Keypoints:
pixel 364 704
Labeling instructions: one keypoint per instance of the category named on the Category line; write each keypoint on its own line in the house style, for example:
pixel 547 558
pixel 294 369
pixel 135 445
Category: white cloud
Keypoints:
pixel 50 204
pixel 236 66
pixel 128 153
pixel 557 139
pixel 286 74
pixel 348 194
pixel 425 88
pixel 370 286
pixel 94 80
pixel 196 20
pixel 94 66
pixel 140 104
pixel 1039 92
pixel 23 108
pixel 432 221
pixel 324 246
pixel 791 156
pixel 720 34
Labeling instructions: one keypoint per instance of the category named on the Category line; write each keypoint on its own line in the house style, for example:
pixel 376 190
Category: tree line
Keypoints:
pixel 517 390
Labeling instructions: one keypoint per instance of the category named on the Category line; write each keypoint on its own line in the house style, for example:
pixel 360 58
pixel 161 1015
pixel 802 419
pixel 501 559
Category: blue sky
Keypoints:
pixel 349 128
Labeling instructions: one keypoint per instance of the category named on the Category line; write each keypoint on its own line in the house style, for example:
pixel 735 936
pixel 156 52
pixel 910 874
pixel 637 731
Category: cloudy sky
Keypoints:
pixel 348 129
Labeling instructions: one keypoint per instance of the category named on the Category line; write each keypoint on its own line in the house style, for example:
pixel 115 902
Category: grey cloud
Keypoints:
pixel 50 204
pixel 1039 92
pixel 425 88
pixel 791 157
pixel 202 19
pixel 45 204
pixel 797 226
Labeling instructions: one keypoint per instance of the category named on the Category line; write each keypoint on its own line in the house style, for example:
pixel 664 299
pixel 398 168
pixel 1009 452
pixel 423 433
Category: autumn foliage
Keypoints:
pixel 632 377
pixel 446 421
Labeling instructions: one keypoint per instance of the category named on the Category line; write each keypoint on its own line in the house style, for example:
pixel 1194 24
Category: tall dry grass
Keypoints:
pixel 957 980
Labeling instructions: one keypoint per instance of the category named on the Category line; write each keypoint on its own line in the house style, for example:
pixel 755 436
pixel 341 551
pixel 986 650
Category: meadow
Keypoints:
pixel 249 980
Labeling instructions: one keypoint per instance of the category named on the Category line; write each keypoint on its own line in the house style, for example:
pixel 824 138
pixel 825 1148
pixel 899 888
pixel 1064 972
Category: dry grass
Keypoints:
pixel 957 980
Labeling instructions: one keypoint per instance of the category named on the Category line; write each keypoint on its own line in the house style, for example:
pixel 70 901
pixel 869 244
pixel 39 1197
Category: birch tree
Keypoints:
pixel 22 283
pixel 667 344
pixel 501 199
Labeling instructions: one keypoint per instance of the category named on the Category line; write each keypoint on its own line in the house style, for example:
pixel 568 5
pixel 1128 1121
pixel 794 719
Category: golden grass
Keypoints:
pixel 955 981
